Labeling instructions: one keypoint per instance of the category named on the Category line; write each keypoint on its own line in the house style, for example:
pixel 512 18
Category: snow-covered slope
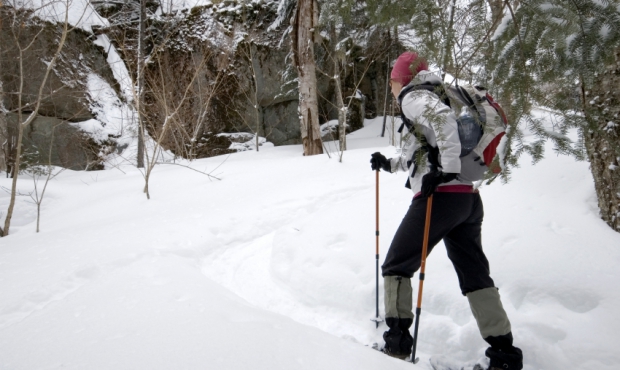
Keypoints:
pixel 273 267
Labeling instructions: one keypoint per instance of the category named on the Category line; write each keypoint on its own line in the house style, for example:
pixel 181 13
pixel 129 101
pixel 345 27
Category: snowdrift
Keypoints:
pixel 272 267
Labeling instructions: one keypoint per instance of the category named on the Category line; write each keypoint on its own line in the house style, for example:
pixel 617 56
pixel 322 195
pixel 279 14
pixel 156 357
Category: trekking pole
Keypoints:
pixel 418 310
pixel 377 319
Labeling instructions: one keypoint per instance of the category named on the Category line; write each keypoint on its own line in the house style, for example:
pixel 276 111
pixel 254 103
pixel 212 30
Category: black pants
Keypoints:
pixel 457 219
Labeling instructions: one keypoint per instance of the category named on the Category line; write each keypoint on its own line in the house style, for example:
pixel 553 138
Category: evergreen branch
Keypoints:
pixel 514 20
pixel 486 36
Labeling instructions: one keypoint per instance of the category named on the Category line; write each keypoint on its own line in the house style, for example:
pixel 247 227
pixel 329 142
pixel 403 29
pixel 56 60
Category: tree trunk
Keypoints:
pixel 140 69
pixel 20 135
pixel 342 110
pixel 21 124
pixel 303 39
pixel 255 102
pixel 603 142
pixel 4 128
pixel 4 136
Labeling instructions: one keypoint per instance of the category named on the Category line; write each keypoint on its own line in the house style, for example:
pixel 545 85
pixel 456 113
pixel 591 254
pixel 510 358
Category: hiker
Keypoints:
pixel 432 157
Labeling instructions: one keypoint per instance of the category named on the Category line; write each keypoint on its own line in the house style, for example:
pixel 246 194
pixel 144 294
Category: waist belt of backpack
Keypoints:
pixel 469 189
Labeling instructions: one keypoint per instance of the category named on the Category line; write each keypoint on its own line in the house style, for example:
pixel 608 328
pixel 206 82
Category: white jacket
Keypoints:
pixel 436 122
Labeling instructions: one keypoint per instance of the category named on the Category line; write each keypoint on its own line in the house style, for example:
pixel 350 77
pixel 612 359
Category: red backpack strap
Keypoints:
pixel 490 152
pixel 498 108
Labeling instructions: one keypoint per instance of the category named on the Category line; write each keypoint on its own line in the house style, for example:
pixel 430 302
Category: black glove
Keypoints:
pixel 431 180
pixel 378 161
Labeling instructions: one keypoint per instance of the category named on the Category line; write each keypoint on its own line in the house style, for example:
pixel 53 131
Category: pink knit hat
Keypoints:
pixel 407 66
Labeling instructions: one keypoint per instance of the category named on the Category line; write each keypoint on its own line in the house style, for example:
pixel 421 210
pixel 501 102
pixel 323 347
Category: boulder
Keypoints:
pixel 64 95
pixel 50 140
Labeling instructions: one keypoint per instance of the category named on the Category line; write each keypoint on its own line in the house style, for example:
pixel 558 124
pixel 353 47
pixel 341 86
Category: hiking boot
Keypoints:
pixel 511 359
pixel 398 355
pixel 398 340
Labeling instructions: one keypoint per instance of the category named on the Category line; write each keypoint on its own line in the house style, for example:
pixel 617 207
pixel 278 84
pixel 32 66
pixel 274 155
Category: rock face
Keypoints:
pixel 49 140
pixel 212 69
pixel 603 143
pixel 65 96
pixel 256 83
pixel 237 72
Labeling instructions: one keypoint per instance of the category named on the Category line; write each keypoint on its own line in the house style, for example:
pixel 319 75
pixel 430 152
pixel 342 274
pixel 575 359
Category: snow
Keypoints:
pixel 610 127
pixel 78 13
pixel 243 141
pixel 113 118
pixel 168 6
pixel 118 67
pixel 281 14
pixel 272 267
pixel 407 37
pixel 605 31
pixel 330 128
pixel 502 26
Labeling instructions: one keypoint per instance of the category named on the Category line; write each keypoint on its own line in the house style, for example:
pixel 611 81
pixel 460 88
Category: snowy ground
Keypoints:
pixel 273 267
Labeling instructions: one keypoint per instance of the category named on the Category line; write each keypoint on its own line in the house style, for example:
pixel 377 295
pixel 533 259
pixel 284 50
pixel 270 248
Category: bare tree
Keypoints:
pixel 255 100
pixel 25 120
pixel 340 57
pixel 172 91
pixel 188 81
pixel 303 36
pixel 248 51
pixel 170 101
pixel 4 129
pixel 46 171
pixel 140 78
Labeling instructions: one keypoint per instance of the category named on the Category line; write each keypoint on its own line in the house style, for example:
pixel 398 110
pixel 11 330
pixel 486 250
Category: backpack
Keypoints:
pixel 480 119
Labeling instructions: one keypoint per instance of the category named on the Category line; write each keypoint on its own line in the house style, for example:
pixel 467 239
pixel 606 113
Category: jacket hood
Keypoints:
pixel 425 76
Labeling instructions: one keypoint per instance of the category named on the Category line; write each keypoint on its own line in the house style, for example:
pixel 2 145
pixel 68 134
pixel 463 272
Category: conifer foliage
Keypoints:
pixel 551 53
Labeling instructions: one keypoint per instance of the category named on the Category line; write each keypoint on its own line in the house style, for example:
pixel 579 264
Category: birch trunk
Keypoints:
pixel 342 110
pixel 303 39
